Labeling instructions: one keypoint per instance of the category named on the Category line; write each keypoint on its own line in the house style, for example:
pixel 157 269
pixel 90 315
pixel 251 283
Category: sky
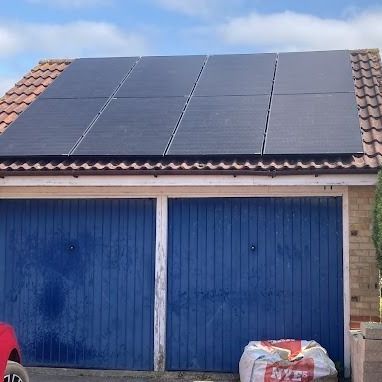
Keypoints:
pixel 31 30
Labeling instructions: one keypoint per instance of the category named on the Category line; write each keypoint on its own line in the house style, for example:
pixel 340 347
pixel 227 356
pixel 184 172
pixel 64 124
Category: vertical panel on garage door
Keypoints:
pixel 77 281
pixel 242 269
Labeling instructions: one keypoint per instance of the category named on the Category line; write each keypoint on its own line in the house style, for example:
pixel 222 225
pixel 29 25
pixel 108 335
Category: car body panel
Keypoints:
pixel 8 346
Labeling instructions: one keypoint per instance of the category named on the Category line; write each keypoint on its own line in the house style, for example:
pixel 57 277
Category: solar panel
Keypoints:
pixel 314 72
pixel 90 77
pixel 237 74
pixel 163 77
pixel 49 127
pixel 222 125
pixel 313 124
pixel 133 126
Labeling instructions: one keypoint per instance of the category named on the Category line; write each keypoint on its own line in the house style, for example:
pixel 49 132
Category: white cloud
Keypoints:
pixel 71 3
pixel 200 7
pixel 9 42
pixel 76 39
pixel 188 7
pixel 6 83
pixel 296 31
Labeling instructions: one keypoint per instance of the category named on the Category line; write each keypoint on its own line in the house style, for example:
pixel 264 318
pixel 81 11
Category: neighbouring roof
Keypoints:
pixel 367 73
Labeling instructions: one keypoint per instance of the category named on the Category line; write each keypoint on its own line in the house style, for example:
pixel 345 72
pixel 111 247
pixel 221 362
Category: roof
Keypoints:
pixel 367 73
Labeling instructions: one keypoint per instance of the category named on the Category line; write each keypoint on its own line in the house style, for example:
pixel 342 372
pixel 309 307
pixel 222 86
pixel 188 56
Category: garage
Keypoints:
pixel 78 280
pixel 252 268
pixel 157 213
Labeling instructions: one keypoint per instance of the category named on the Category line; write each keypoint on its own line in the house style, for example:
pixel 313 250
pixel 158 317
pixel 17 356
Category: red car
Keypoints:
pixel 10 358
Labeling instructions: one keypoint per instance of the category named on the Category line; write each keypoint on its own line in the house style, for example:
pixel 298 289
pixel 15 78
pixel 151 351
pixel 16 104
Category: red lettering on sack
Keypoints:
pixel 299 371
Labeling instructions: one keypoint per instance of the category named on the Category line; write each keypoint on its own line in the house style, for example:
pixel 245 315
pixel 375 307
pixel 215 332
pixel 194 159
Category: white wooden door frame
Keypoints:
pixel 160 302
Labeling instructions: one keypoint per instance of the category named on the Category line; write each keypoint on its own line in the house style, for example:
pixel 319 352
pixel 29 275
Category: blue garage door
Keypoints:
pixel 78 281
pixel 243 269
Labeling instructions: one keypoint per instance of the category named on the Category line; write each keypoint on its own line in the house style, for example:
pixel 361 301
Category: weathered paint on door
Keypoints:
pixel 242 269
pixel 77 281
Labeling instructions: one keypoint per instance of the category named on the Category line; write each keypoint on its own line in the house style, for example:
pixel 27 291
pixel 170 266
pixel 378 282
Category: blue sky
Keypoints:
pixel 35 29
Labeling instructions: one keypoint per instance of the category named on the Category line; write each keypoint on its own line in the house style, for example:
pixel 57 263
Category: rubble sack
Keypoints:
pixel 285 361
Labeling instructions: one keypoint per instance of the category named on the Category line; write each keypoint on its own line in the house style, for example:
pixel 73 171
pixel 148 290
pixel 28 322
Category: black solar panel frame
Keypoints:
pixel 314 72
pixel 140 132
pixel 313 124
pixel 49 127
pixel 237 74
pixel 163 76
pixel 224 137
pixel 90 78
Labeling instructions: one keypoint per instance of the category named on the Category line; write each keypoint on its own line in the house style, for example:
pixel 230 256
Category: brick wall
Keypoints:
pixel 364 280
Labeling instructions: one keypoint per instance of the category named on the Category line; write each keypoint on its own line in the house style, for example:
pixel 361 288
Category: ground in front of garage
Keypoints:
pixel 74 375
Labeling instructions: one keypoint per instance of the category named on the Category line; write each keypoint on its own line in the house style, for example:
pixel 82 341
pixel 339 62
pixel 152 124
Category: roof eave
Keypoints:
pixel 239 172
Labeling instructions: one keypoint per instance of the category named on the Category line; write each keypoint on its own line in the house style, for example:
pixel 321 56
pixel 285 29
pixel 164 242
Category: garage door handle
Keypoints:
pixel 253 247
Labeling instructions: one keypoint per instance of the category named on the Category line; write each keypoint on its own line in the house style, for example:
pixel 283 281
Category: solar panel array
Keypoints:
pixel 241 104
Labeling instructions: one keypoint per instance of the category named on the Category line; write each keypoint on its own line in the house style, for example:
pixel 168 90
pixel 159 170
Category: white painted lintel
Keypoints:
pixel 189 180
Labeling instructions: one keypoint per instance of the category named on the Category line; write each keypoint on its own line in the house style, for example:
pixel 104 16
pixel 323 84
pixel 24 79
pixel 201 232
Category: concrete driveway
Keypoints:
pixel 49 378
pixel 73 375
